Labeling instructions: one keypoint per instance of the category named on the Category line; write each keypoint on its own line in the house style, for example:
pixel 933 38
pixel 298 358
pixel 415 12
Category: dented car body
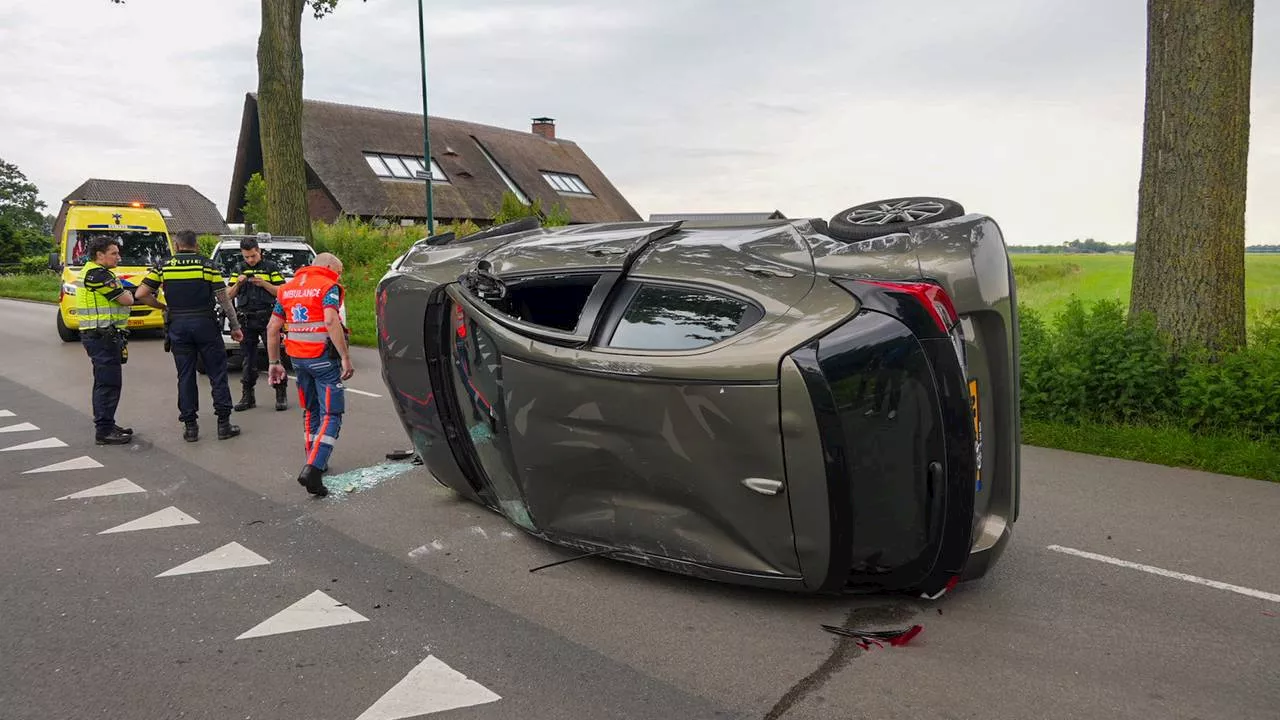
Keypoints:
pixel 764 404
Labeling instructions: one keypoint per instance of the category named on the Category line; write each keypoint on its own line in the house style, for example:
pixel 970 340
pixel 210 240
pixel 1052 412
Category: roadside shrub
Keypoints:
pixel 1239 390
pixel 35 265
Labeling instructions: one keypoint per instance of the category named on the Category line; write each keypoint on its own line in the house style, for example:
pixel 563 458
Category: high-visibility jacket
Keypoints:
pixel 301 302
pixel 96 306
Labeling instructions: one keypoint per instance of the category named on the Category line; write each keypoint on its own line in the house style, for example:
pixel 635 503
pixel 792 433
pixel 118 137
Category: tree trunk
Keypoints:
pixel 280 116
pixel 1188 267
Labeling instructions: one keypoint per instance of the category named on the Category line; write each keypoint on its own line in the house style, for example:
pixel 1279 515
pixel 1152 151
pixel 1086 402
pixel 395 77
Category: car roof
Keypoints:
pixel 272 243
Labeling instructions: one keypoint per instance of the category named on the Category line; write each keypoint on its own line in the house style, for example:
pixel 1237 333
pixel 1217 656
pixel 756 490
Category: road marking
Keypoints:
pixel 348 389
pixel 316 610
pixel 231 555
pixel 6 413
pixel 20 427
pixel 37 445
pixel 84 462
pixel 168 517
pixel 430 687
pixel 123 486
pixel 1168 573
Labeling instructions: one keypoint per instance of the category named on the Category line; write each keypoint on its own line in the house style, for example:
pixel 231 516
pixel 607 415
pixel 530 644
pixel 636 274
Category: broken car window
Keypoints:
pixel 667 318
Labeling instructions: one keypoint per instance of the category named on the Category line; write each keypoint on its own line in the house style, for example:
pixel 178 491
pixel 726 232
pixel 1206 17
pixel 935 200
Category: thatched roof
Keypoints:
pixel 183 206
pixel 336 136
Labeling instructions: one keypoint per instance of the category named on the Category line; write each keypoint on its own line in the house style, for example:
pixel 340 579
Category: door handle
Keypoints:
pixel 769 271
pixel 764 486
pixel 607 251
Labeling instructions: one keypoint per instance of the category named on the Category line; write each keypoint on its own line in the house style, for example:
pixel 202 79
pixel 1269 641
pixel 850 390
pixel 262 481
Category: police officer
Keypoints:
pixel 308 308
pixel 102 308
pixel 192 284
pixel 254 285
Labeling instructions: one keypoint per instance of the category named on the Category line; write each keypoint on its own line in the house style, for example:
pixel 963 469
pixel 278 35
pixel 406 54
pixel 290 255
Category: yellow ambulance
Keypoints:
pixel 144 241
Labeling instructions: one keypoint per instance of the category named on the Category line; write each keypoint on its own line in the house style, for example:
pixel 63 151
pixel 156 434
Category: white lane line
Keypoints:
pixel 430 687
pixel 1168 573
pixel 316 610
pixel 84 462
pixel 45 444
pixel 6 413
pixel 123 486
pixel 20 427
pixel 168 517
pixel 349 389
pixel 231 555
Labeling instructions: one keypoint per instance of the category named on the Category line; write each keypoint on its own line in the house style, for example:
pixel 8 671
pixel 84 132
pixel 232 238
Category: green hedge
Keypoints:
pixel 1093 365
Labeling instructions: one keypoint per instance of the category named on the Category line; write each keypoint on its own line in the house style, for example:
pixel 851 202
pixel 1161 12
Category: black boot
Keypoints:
pixel 312 479
pixel 226 429
pixel 247 400
pixel 191 431
pixel 114 437
pixel 281 402
pixel 124 430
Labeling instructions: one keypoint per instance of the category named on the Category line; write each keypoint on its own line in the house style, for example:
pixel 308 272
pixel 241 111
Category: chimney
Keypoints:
pixel 545 126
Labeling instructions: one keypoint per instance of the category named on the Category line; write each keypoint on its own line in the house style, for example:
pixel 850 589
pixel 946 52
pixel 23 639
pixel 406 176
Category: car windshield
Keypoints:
pixel 289 259
pixel 138 248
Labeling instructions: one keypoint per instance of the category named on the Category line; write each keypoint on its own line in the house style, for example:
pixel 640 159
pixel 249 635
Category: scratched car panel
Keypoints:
pixel 774 404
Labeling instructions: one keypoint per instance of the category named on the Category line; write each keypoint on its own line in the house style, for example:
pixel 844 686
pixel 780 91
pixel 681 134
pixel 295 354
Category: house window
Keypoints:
pixel 166 213
pixel 566 183
pixel 402 167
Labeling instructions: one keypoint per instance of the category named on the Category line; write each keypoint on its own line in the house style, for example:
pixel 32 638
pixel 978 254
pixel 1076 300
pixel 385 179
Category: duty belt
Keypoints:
pixel 182 312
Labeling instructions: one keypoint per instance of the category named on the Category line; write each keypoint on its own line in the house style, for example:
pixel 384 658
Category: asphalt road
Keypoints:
pixel 433 596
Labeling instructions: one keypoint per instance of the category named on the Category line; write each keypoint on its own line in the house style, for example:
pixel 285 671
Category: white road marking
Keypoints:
pixel 1168 573
pixel 231 555
pixel 348 389
pixel 20 427
pixel 123 486
pixel 168 517
pixel 316 610
pixel 430 687
pixel 37 445
pixel 6 413
pixel 84 462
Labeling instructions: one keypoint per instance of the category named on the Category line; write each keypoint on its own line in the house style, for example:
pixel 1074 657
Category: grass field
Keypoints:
pixel 1047 282
pixel 42 287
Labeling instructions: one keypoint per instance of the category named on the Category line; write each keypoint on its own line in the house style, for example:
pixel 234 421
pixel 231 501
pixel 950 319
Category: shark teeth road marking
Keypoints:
pixel 314 611
pixel 168 517
pixel 1250 592
pixel 430 687
pixel 231 555
pixel 45 444
pixel 6 413
pixel 123 486
pixel 20 427
pixel 84 462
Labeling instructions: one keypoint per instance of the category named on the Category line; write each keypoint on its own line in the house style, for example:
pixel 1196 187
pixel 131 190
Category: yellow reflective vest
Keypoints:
pixel 96 306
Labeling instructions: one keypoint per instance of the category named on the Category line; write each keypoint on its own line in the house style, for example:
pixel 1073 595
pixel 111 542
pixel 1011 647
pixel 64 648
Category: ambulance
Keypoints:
pixel 144 241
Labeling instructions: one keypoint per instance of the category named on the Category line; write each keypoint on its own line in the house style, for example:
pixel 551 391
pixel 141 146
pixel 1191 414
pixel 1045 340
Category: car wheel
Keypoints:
pixel 66 333
pixel 885 217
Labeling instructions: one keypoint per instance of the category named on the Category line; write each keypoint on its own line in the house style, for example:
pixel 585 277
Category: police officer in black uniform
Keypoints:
pixel 192 284
pixel 254 285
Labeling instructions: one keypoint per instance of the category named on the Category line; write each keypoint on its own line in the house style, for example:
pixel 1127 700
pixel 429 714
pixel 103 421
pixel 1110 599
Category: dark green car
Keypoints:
pixel 790 404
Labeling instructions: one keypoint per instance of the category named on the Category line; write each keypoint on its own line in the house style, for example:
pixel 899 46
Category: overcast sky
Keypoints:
pixel 1028 110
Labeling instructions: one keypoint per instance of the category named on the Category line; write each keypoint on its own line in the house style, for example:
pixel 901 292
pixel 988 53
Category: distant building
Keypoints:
pixel 363 162
pixel 718 219
pixel 182 206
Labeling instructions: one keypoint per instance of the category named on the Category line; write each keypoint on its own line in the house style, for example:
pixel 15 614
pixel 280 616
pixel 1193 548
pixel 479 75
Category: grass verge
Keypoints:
pixel 42 287
pixel 1222 453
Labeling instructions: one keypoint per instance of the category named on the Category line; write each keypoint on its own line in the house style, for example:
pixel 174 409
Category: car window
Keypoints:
pixel 670 318
pixel 553 301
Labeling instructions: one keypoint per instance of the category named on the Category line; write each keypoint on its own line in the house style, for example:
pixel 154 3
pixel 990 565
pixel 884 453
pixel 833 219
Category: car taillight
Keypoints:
pixel 938 304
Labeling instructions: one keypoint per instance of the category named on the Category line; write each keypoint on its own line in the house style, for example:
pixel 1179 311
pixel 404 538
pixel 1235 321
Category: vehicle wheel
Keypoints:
pixel 66 333
pixel 885 217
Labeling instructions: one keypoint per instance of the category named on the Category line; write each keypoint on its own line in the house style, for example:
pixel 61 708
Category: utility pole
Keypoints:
pixel 426 139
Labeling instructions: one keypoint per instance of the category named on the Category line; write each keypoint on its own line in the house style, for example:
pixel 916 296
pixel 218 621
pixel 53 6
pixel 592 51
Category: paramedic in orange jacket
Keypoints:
pixel 307 308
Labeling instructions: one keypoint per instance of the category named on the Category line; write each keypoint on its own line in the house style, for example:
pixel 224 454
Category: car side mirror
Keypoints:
pixel 55 262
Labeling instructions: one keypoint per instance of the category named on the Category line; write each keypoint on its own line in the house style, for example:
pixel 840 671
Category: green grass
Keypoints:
pixel 1222 453
pixel 1047 282
pixel 42 287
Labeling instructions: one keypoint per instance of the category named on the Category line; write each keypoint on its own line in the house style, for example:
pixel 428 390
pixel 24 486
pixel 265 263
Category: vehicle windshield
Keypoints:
pixel 138 248
pixel 289 260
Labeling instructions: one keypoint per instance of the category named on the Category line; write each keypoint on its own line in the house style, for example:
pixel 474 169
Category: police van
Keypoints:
pixel 144 242
pixel 288 251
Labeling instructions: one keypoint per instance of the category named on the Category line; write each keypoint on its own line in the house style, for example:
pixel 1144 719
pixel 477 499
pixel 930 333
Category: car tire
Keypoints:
pixel 66 333
pixel 895 215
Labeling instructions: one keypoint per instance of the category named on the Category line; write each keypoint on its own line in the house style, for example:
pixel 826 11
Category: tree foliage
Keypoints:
pixel 513 209
pixel 20 203
pixel 255 204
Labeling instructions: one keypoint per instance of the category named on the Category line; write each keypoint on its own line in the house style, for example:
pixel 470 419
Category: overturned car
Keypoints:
pixel 789 404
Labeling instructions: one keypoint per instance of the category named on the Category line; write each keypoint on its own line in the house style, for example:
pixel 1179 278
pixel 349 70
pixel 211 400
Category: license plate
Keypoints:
pixel 136 323
pixel 977 432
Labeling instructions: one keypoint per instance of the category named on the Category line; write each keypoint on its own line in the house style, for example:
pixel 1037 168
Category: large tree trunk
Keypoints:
pixel 1188 267
pixel 280 116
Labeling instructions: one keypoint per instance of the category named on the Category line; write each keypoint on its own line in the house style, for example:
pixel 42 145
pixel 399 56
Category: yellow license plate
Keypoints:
pixel 136 323
pixel 977 432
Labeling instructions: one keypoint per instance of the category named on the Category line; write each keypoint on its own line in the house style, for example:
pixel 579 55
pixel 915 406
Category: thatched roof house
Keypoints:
pixel 182 206
pixel 363 162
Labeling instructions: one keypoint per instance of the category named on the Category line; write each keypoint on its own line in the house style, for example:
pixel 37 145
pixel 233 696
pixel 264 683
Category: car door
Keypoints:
pixel 656 429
